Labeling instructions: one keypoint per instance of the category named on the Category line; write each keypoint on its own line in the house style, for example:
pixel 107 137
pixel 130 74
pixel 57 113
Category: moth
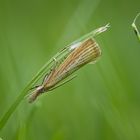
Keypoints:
pixel 72 58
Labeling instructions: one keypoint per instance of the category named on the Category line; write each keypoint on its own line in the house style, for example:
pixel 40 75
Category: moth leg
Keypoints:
pixel 54 59
pixel 51 70
pixel 55 64
pixel 46 75
pixel 64 82
pixel 34 87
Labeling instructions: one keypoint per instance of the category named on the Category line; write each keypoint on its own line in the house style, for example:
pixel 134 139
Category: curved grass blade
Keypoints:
pixel 42 72
pixel 135 27
pixel 21 96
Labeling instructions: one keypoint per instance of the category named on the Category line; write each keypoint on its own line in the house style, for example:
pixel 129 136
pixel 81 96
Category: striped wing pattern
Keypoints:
pixel 87 52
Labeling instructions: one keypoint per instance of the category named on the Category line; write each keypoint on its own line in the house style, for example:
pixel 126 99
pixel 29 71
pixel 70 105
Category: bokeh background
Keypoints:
pixel 103 102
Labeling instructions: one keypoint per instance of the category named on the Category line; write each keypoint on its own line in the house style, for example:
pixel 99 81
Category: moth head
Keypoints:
pixel 36 92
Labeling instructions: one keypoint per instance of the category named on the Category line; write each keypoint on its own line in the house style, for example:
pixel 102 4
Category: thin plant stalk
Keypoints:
pixel 135 27
pixel 41 72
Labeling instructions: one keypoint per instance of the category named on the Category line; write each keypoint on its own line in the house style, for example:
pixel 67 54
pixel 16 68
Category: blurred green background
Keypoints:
pixel 103 102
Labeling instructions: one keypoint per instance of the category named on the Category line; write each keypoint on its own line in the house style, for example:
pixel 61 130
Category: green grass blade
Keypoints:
pixel 135 27
pixel 42 72
pixel 23 93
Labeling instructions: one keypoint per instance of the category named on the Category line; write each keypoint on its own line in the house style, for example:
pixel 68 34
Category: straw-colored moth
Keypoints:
pixel 81 52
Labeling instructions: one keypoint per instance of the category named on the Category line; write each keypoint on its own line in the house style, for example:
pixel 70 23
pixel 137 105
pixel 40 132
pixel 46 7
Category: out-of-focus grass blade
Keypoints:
pixel 134 26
